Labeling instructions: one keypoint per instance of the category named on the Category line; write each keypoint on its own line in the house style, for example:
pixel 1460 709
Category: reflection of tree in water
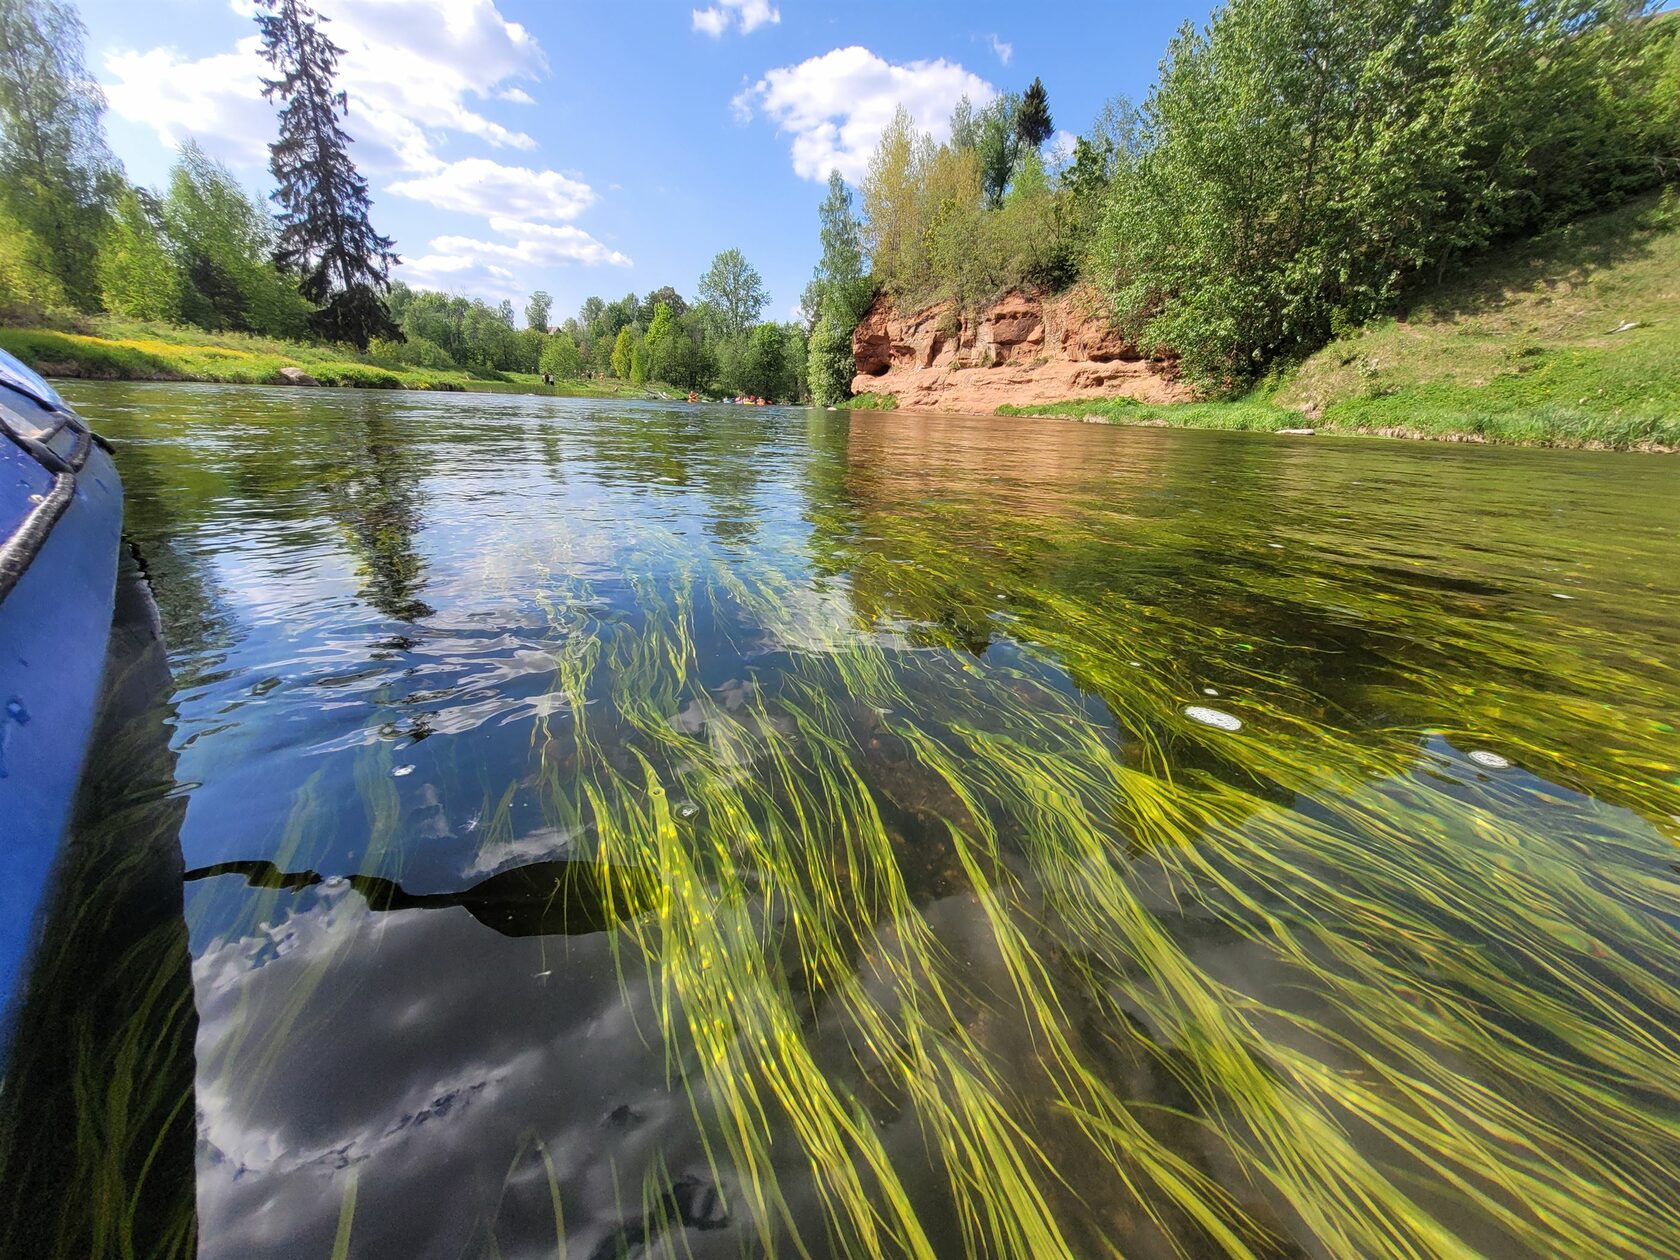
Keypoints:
pixel 161 513
pixel 1150 570
pixel 373 490
pixel 724 455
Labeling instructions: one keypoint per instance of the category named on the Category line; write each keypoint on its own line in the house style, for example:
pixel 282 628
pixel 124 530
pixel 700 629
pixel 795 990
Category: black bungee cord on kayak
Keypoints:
pixel 18 551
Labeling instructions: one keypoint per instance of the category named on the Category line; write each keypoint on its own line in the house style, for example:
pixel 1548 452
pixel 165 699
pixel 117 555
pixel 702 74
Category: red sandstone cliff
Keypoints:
pixel 1022 349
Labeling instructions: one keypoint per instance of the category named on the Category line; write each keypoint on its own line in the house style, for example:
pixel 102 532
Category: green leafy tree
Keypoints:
pixel 893 201
pixel 27 270
pixel 560 358
pixel 623 348
pixel 137 276
pixel 1033 125
pixel 662 336
pixel 846 285
pixel 222 243
pixel 844 292
pixel 601 355
pixel 530 348
pixel 57 178
pixel 794 386
pixel 537 308
pixel 830 365
pixel 689 363
pixel 734 292
pixel 965 125
pixel 325 236
pixel 999 147
pixel 763 370
pixel 1303 160
pixel 666 294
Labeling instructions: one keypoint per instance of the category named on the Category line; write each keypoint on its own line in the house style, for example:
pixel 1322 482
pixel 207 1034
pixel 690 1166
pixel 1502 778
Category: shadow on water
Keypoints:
pixel 566 898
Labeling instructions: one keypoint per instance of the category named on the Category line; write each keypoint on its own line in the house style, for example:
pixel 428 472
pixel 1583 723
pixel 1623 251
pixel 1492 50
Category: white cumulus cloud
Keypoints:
pixel 411 69
pixel 494 268
pixel 551 245
pixel 415 72
pixel 835 106
pixel 460 273
pixel 484 187
pixel 747 15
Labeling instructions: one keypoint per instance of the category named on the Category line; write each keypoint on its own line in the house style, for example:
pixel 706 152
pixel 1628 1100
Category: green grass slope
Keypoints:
pixel 108 348
pixel 1569 339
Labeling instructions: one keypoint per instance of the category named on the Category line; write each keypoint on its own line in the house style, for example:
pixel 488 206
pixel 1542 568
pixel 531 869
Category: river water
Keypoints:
pixel 615 829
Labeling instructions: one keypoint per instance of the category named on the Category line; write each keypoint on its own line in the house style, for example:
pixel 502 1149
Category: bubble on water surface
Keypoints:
pixel 1212 717
pixel 687 809
pixel 400 771
pixel 1490 760
pixel 16 711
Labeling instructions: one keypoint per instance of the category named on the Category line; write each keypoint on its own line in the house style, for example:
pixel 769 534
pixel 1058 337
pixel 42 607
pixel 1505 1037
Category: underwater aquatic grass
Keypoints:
pixel 1437 1043
pixel 1336 1091
pixel 962 938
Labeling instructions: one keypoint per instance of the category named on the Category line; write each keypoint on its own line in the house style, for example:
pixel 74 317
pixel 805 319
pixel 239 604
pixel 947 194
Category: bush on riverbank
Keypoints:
pixel 1300 169
pixel 1565 340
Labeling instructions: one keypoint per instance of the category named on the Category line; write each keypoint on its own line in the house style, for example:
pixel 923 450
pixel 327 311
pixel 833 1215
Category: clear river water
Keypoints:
pixel 610 829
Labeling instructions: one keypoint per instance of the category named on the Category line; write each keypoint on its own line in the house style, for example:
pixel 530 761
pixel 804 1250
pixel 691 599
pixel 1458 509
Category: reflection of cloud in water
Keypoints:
pixel 533 846
pixel 429 1054
pixel 426 1051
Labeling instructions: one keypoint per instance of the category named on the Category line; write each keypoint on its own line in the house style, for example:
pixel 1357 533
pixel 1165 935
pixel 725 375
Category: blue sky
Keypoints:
pixel 605 148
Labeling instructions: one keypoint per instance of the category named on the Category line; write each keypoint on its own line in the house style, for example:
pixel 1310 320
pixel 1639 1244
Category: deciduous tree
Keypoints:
pixel 844 291
pixel 735 293
pixel 560 358
pixel 222 241
pixel 1302 160
pixel 623 347
pixel 537 308
pixel 137 277
pixel 57 178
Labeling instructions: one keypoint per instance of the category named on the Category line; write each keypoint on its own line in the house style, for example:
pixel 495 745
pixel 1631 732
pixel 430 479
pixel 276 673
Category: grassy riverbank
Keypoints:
pixel 1571 339
pixel 103 348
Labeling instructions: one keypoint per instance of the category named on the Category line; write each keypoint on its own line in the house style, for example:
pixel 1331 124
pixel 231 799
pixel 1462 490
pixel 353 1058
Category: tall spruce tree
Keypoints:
pixel 1032 120
pixel 343 265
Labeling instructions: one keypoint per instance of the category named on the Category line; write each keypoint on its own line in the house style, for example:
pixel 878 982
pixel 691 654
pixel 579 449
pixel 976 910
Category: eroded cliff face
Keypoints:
pixel 1022 349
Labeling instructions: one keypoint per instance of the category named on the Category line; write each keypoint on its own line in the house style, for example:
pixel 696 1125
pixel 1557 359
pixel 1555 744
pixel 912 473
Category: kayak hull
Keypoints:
pixel 58 580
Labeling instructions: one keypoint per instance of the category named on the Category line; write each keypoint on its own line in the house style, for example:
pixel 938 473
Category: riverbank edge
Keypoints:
pixel 1600 432
pixel 77 356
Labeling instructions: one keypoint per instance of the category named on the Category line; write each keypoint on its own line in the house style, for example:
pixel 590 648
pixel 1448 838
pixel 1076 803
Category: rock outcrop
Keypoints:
pixel 294 376
pixel 1023 349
